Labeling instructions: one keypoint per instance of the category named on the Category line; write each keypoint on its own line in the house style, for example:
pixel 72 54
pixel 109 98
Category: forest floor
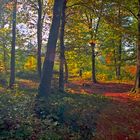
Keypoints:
pixel 110 106
pixel 121 119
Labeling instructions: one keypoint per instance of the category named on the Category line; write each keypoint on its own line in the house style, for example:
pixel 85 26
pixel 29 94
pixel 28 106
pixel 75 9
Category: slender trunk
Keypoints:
pixel 92 43
pixel 94 35
pixel 62 49
pixel 12 64
pixel 115 62
pixel 39 36
pixel 4 52
pixel 137 80
pixel 118 69
pixel 46 77
pixel 4 58
pixel 119 49
pixel 93 63
pixel 66 71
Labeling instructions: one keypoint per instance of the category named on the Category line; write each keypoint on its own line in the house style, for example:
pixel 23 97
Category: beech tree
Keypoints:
pixel 132 7
pixel 47 72
pixel 4 33
pixel 137 80
pixel 40 8
pixel 39 35
pixel 62 48
pixel 13 44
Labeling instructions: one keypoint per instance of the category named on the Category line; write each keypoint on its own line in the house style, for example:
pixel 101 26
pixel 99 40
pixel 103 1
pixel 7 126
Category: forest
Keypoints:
pixel 69 69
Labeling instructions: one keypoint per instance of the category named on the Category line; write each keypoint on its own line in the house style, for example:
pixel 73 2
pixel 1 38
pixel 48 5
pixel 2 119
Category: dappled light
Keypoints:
pixel 99 88
pixel 69 70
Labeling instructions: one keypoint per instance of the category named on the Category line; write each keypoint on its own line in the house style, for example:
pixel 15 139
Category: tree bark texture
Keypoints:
pixel 47 72
pixel 62 49
pixel 13 44
pixel 119 48
pixel 39 36
pixel 119 56
pixel 66 71
pixel 93 64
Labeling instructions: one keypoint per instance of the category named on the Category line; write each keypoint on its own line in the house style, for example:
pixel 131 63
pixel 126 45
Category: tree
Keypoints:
pixel 119 50
pixel 40 20
pixel 4 34
pixel 45 83
pixel 12 64
pixel 62 48
pixel 37 22
pixel 39 35
pixel 132 8
pixel 93 20
pixel 137 80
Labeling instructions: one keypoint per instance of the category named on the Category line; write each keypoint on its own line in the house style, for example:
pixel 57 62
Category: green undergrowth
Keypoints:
pixel 62 116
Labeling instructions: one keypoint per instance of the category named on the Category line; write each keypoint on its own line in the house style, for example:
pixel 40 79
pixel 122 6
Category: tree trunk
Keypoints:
pixel 92 43
pixel 4 52
pixel 137 80
pixel 119 49
pixel 12 64
pixel 62 49
pixel 93 63
pixel 46 77
pixel 39 36
pixel 66 71
pixel 94 35
pixel 4 58
pixel 118 68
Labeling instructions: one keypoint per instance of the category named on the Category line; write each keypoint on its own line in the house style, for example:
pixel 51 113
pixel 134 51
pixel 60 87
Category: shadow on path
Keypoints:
pixel 99 88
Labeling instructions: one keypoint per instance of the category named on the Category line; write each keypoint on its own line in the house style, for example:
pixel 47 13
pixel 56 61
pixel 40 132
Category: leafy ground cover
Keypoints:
pixel 63 116
pixel 120 119
pixel 103 111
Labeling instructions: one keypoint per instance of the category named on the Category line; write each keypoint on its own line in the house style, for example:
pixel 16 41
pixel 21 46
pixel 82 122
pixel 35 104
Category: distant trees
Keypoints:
pixel 40 11
pixel 4 36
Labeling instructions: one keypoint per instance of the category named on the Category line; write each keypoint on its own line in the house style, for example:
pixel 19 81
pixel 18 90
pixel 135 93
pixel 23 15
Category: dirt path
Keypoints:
pixel 117 91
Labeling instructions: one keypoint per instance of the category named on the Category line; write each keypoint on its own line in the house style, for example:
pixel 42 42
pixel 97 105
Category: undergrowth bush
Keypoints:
pixel 18 120
pixel 28 75
pixel 62 116
pixel 3 79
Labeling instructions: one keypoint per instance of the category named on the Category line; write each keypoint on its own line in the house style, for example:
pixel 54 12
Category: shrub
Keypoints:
pixel 102 77
pixel 18 120
pixel 28 75
pixel 3 80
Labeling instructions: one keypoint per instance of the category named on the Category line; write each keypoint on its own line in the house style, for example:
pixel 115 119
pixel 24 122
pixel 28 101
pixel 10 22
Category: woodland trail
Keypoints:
pixel 117 91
